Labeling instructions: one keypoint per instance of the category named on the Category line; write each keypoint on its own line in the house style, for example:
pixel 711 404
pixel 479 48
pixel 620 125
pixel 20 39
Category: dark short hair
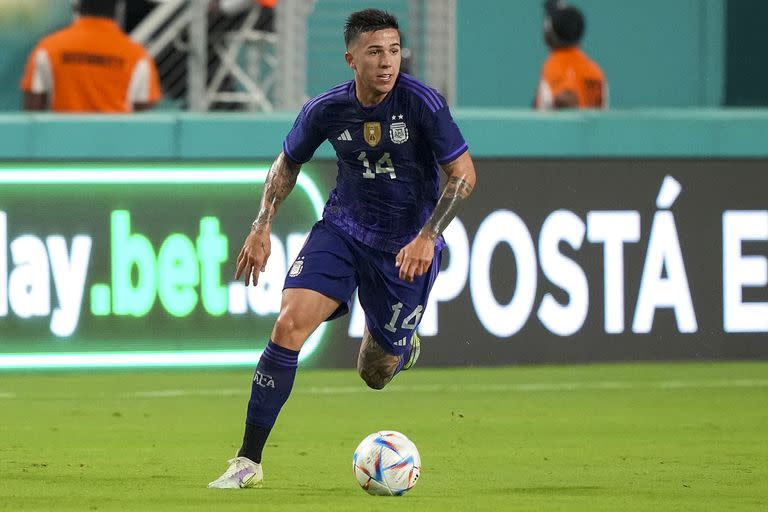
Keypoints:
pixel 102 8
pixel 367 20
pixel 568 24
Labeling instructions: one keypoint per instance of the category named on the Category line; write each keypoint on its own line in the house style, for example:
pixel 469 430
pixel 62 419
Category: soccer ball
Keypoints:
pixel 386 463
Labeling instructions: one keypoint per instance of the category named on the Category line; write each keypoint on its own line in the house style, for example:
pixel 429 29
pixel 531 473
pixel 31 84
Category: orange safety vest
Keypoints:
pixel 92 66
pixel 570 69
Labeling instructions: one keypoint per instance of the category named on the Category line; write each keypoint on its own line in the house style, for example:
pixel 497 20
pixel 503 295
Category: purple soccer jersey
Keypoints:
pixel 388 157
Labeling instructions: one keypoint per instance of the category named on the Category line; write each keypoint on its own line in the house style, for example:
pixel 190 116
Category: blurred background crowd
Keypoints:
pixel 263 55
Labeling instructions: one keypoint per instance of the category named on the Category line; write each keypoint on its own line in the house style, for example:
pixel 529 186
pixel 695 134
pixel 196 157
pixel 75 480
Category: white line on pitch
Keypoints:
pixel 490 388
pixel 4 394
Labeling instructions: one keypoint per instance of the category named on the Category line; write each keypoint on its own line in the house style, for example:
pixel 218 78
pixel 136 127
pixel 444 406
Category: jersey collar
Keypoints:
pixel 371 110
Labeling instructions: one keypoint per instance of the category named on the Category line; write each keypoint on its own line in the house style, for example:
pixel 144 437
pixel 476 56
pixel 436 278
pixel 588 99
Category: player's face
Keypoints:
pixel 375 58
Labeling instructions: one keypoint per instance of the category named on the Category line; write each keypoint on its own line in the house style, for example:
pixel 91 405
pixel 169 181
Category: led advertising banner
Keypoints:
pixel 105 265
pixel 605 260
pixel 132 265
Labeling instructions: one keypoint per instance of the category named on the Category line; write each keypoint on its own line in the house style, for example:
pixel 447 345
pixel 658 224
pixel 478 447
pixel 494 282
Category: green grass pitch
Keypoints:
pixel 634 437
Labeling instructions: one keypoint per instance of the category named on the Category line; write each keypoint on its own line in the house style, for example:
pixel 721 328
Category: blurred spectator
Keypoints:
pixel 90 66
pixel 569 78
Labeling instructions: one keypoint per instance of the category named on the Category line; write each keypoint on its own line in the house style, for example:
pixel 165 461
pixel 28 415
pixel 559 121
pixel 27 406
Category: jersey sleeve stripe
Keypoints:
pixel 332 96
pixel 311 103
pixel 325 94
pixel 450 157
pixel 426 89
pixel 336 91
pixel 433 107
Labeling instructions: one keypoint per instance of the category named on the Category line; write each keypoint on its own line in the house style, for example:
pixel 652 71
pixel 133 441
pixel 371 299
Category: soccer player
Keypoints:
pixel 380 231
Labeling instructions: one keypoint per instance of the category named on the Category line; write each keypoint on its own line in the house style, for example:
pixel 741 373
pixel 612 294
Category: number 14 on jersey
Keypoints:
pixel 383 166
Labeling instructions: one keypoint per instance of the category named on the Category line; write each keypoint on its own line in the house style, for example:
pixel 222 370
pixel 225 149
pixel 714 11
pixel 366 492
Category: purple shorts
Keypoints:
pixel 334 264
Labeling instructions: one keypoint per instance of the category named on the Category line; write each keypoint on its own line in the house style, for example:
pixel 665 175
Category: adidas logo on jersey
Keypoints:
pixel 344 136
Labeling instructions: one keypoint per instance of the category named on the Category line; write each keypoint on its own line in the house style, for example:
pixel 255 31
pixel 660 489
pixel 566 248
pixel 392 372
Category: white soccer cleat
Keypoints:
pixel 242 473
pixel 415 351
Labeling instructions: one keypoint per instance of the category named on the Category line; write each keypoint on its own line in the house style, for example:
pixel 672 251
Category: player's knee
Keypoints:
pixel 286 333
pixel 285 324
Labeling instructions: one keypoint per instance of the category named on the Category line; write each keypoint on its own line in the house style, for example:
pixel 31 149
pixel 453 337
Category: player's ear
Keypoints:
pixel 349 59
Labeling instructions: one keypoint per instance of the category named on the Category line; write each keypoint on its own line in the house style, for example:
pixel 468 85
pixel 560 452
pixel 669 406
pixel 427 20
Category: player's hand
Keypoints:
pixel 254 255
pixel 414 259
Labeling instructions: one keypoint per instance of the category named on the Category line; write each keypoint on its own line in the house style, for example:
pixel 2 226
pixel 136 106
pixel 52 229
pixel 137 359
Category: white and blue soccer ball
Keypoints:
pixel 387 463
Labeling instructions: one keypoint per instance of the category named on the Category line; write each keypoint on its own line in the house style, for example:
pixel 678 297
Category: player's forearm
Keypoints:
pixel 280 181
pixel 461 182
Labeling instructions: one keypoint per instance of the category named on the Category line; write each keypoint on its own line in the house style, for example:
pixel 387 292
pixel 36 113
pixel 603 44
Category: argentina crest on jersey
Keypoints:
pixel 398 131
pixel 296 268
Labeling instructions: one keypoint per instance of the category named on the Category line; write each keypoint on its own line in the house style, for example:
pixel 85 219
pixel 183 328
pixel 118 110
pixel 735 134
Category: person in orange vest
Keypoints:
pixel 569 78
pixel 90 66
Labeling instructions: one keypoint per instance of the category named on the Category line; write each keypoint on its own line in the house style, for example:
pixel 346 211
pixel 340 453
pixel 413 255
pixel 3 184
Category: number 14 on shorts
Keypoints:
pixel 409 322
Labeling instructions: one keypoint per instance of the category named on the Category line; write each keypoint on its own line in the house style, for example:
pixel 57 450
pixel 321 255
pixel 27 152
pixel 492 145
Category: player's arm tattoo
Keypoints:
pixel 280 181
pixel 374 364
pixel 457 189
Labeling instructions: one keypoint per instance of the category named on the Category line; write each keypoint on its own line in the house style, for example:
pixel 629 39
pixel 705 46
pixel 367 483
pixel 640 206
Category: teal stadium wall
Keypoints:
pixel 656 53
pixel 21 26
pixel 491 133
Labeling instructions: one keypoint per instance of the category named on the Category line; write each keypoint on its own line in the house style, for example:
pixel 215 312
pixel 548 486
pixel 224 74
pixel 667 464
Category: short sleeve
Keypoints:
pixel 38 78
pixel 444 135
pixel 305 136
pixel 144 86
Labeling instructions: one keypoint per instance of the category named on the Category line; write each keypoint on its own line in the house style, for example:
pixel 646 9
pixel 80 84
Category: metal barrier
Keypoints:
pixel 213 61
pixel 227 62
